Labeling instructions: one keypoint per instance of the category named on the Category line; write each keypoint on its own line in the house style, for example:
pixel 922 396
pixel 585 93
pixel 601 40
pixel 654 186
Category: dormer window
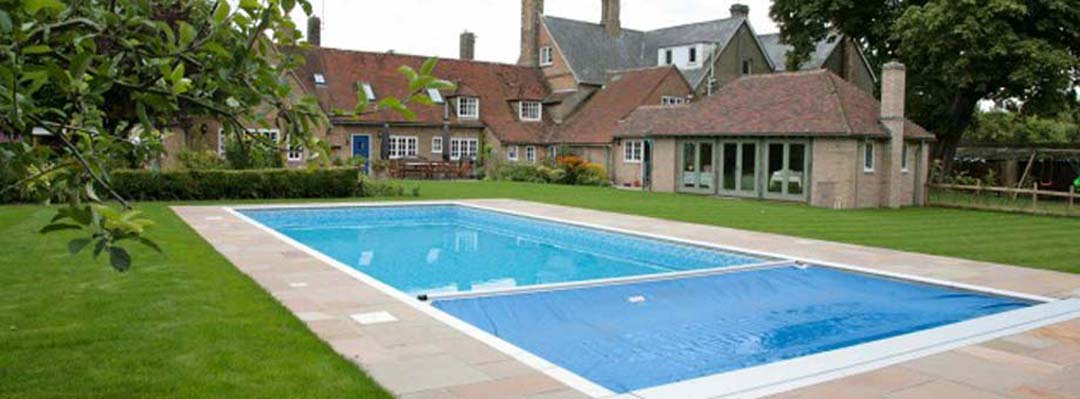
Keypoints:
pixel 669 101
pixel 530 111
pixel 435 96
pixel 468 108
pixel 320 79
pixel 369 92
pixel 669 57
pixel 546 56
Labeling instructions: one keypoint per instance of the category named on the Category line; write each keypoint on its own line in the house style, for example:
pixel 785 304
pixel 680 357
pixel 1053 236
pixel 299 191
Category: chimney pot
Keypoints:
pixel 611 18
pixel 739 10
pixel 468 46
pixel 314 31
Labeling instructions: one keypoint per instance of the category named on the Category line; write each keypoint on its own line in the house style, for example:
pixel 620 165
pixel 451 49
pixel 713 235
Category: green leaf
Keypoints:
pixel 119 259
pixel 5 21
pixel 99 247
pixel 33 6
pixel 149 243
pixel 409 73
pixel 249 5
pixel 429 66
pixel 77 245
pixel 36 49
pixel 59 227
pixel 221 13
pixel 187 34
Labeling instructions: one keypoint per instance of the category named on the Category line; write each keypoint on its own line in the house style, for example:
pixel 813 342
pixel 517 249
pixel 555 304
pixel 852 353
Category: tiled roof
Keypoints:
pixel 591 51
pixel 497 86
pixel 625 91
pixel 777 51
pixel 801 104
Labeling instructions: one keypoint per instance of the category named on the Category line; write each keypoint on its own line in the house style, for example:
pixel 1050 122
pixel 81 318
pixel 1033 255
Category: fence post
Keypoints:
pixel 1035 197
pixel 1072 200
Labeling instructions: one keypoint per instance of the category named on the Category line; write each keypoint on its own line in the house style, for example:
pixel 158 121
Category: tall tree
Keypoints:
pixel 109 79
pixel 958 52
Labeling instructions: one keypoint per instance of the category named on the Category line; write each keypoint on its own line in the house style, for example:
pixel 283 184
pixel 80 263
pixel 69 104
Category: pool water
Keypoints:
pixel 633 336
pixel 623 336
pixel 447 248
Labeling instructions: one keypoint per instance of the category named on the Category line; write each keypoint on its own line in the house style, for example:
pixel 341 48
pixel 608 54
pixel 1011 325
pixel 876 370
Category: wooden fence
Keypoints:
pixel 1011 199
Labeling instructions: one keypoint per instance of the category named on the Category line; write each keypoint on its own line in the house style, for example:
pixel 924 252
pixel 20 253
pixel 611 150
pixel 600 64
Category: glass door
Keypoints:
pixel 698 167
pixel 738 168
pixel 786 174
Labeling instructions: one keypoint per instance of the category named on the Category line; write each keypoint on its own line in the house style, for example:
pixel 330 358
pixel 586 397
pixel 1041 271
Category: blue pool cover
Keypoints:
pixel 434 249
pixel 634 336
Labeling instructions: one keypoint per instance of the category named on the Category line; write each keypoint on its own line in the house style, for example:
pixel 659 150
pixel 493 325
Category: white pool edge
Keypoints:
pixel 744 383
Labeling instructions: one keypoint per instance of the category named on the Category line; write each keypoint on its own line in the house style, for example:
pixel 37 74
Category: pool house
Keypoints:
pixel 803 136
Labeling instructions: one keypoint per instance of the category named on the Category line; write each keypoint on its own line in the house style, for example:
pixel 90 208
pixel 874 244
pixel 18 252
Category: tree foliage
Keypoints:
pixel 958 52
pixel 1012 128
pixel 108 80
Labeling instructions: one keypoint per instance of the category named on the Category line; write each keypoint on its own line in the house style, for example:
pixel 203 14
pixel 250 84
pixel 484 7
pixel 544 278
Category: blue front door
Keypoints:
pixel 361 147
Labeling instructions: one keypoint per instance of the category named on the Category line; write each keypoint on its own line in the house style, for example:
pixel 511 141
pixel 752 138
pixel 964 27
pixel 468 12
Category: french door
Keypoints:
pixel 786 166
pixel 698 167
pixel 739 167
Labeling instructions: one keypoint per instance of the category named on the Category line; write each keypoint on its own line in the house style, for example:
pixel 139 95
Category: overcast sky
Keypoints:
pixel 431 27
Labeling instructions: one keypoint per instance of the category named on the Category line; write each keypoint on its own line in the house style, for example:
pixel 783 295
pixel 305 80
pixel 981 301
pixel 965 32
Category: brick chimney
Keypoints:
pixel 739 10
pixel 893 92
pixel 531 11
pixel 610 17
pixel 314 31
pixel 468 46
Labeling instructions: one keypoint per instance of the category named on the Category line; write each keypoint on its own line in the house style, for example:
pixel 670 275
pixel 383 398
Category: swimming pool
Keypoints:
pixel 609 312
pixel 438 249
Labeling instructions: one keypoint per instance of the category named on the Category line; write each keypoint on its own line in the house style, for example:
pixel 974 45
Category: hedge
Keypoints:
pixel 187 185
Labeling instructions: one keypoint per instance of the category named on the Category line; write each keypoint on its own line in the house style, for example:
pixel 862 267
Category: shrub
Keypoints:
pixel 567 170
pixel 201 160
pixel 145 185
pixel 252 154
pixel 520 173
pixel 370 187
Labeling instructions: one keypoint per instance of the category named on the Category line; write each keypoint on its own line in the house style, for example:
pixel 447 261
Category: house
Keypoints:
pixel 807 136
pixel 705 108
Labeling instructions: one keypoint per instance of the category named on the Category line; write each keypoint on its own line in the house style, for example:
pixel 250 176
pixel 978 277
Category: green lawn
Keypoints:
pixel 190 325
pixel 187 325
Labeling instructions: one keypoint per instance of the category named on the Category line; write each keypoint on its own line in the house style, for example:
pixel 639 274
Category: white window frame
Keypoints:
pixel 531 118
pixel 692 56
pixel 547 56
pixel 669 57
pixel 464 148
pixel 553 152
pixel 462 106
pixel 320 79
pixel 904 159
pixel 669 101
pixel 436 145
pixel 530 153
pixel 633 151
pixel 403 147
pixel 512 153
pixel 869 157
pixel 295 153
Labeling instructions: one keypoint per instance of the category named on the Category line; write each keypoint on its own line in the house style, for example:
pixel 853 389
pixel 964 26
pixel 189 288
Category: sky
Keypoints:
pixel 432 27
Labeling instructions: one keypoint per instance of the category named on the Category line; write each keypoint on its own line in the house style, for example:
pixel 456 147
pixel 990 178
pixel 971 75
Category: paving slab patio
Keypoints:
pixel 419 357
